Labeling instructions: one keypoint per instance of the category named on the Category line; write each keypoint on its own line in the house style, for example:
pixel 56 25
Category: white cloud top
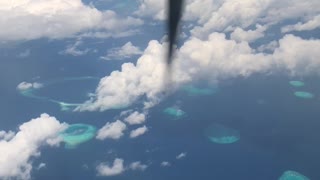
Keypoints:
pixel 107 170
pixel 165 164
pixel 138 132
pixel 73 49
pixel 126 51
pixel 309 25
pixel 6 135
pixel 26 85
pixel 137 165
pixel 181 155
pixel 135 118
pixel 111 130
pixel 218 56
pixel 17 151
pixel 28 19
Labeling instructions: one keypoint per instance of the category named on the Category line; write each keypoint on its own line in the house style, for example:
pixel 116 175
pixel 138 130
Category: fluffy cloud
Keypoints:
pixel 226 15
pixel 165 164
pixel 138 166
pixel 135 118
pixel 107 170
pixel 72 49
pixel 138 132
pixel 181 155
pixel 153 8
pixel 218 56
pixel 249 36
pixel 28 19
pixel 41 166
pixel 25 86
pixel 245 13
pixel 111 130
pixel 17 150
pixel 126 51
pixel 122 88
pixel 6 135
pixel 309 25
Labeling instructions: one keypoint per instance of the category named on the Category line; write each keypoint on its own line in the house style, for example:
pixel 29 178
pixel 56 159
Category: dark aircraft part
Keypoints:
pixel 175 12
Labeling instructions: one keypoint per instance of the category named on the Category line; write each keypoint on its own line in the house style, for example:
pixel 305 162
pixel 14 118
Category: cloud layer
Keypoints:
pixel 28 19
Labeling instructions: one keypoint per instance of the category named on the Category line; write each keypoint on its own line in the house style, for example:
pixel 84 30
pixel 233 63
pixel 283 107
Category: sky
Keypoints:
pixel 113 53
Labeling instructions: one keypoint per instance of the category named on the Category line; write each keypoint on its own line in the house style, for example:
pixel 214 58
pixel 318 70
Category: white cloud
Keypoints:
pixel 17 151
pixel 6 135
pixel 218 56
pixel 28 19
pixel 138 132
pixel 165 164
pixel 249 36
pixel 181 155
pixel 107 170
pixel 154 8
pixel 242 14
pixel 122 88
pixel 271 46
pixel 137 165
pixel 135 118
pixel 309 25
pixel 111 130
pixel 25 86
pixel 41 166
pixel 72 49
pixel 226 15
pixel 126 51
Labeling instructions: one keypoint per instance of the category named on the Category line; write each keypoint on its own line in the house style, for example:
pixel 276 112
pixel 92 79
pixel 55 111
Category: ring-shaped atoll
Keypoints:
pixel 220 134
pixel 31 91
pixel 77 134
pixel 292 175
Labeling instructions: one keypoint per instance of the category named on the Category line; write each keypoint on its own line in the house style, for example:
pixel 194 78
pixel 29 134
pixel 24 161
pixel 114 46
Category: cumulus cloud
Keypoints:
pixel 165 164
pixel 137 165
pixel 181 155
pixel 218 56
pixel 138 132
pixel 249 36
pixel 309 25
pixel 6 135
pixel 155 9
pixel 17 151
pixel 26 85
pixel 117 168
pixel 243 14
pixel 122 88
pixel 73 49
pixel 111 130
pixel 29 19
pixel 126 51
pixel 226 15
pixel 41 166
pixel 135 118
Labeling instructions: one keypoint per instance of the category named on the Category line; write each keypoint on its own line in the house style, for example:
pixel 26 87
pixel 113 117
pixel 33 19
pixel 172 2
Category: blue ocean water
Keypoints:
pixel 277 135
pixel 278 131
